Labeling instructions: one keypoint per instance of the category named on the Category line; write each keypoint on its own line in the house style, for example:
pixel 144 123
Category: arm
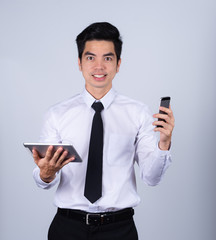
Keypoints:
pixel 152 155
pixel 46 174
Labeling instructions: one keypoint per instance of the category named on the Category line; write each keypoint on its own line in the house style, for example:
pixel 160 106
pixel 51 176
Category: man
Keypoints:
pixel 127 137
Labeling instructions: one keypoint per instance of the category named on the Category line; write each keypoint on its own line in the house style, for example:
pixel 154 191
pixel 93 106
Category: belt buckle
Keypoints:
pixel 93 215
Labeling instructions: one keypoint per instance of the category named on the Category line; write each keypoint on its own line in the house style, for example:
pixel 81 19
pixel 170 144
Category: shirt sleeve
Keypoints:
pixel 152 161
pixel 42 184
pixel 49 134
pixel 50 131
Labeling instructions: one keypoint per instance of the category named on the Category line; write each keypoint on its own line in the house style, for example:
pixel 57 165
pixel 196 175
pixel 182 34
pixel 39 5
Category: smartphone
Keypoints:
pixel 165 102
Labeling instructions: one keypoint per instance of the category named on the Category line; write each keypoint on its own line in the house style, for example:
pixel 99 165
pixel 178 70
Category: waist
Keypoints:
pixel 97 218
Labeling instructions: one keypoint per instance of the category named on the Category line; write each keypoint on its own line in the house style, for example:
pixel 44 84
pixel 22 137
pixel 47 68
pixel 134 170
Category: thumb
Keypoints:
pixel 35 156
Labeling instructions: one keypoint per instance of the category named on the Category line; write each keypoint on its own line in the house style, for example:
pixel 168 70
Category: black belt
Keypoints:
pixel 97 218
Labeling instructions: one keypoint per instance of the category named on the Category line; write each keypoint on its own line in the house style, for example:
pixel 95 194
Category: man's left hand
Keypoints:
pixel 166 129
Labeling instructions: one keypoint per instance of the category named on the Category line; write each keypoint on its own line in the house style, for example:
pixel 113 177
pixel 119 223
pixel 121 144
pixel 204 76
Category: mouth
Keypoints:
pixel 99 76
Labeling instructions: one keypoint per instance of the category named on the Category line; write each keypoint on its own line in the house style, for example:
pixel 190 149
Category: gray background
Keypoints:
pixel 169 49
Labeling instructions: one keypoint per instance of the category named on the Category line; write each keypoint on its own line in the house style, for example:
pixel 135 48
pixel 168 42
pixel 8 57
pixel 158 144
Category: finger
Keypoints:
pixel 162 124
pixel 165 117
pixel 62 157
pixel 49 153
pixel 168 111
pixel 65 162
pixel 158 123
pixel 164 109
pixel 168 118
pixel 57 155
pixel 170 114
pixel 165 125
pixel 35 156
pixel 163 130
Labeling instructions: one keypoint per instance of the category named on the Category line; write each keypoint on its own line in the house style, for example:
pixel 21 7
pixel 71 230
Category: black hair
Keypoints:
pixel 100 31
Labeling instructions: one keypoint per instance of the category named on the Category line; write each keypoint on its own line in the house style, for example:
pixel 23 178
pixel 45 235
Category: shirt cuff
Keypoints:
pixel 163 153
pixel 40 183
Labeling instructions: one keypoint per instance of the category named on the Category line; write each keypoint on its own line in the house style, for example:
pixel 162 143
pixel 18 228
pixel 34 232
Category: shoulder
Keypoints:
pixel 64 106
pixel 131 103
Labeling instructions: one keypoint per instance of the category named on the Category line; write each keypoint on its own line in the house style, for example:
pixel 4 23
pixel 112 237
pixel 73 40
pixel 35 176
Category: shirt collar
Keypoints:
pixel 105 100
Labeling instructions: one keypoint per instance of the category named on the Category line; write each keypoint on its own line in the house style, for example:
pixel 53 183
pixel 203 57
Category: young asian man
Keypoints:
pixel 125 135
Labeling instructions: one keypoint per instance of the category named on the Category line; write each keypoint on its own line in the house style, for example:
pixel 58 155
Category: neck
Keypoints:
pixel 98 93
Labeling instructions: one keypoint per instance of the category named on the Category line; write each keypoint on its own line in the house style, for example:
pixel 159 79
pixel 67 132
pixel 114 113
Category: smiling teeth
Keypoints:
pixel 99 76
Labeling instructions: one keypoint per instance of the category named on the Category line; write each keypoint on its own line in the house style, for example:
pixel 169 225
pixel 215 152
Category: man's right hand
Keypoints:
pixel 51 163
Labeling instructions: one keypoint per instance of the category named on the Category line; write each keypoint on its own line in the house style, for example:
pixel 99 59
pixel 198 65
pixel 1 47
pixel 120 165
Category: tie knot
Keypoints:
pixel 97 106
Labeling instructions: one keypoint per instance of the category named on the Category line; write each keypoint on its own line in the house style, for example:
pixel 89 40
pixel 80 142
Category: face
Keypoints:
pixel 99 65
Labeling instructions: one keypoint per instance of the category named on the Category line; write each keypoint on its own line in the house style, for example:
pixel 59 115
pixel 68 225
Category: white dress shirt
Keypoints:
pixel 128 138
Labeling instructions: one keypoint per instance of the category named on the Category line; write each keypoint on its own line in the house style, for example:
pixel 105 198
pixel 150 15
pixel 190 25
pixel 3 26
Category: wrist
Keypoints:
pixel 165 146
pixel 47 179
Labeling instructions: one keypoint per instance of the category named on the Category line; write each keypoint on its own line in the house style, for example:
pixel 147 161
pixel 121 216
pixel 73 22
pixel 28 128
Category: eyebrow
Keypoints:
pixel 89 53
pixel 108 54
pixel 105 55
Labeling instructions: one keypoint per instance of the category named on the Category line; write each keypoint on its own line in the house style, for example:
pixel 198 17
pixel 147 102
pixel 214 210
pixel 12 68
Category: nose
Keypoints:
pixel 99 65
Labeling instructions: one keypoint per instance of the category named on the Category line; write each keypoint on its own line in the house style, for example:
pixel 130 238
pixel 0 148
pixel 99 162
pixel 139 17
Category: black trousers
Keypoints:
pixel 64 228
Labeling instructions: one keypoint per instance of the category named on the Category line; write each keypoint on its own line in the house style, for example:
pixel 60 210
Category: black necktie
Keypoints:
pixel 93 182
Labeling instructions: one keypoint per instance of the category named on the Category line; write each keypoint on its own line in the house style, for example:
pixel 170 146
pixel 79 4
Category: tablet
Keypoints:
pixel 42 148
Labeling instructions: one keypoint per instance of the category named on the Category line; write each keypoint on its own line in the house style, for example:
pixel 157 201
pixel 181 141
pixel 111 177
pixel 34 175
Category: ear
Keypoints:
pixel 80 64
pixel 118 65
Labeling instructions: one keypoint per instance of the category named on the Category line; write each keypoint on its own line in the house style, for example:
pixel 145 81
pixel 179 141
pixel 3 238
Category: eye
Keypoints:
pixel 90 58
pixel 108 59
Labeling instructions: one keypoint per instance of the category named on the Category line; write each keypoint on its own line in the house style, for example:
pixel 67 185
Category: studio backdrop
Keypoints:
pixel 168 50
